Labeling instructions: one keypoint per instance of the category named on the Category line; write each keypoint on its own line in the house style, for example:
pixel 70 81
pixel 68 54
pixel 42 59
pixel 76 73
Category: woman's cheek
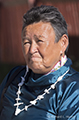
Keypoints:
pixel 26 50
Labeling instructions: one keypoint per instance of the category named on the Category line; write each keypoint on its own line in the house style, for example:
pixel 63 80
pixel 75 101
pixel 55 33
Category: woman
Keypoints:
pixel 48 88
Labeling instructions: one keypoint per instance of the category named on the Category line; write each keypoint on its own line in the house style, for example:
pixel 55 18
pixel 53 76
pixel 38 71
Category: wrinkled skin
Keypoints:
pixel 40 50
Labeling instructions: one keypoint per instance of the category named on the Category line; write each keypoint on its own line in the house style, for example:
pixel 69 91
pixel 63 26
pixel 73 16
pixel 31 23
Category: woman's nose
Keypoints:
pixel 33 48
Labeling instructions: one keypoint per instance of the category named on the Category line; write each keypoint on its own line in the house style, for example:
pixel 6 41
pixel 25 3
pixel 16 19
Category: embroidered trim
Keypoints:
pixel 59 64
pixel 46 91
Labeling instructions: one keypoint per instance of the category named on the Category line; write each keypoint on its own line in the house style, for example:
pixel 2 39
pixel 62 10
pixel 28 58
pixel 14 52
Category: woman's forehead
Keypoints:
pixel 40 28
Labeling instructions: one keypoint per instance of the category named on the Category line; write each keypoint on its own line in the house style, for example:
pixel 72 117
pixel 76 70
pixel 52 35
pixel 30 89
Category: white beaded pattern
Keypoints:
pixel 46 91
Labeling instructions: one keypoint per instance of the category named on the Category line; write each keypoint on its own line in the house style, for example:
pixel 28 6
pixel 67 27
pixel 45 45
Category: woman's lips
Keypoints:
pixel 35 57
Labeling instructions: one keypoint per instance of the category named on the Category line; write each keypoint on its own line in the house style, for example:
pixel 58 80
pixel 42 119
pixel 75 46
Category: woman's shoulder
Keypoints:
pixel 71 82
pixel 74 74
pixel 14 72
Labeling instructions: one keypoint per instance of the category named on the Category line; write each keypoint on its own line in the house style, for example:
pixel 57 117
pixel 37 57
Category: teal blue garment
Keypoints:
pixel 61 104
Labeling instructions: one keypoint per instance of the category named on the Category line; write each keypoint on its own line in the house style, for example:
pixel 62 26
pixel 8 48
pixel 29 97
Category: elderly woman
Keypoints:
pixel 47 88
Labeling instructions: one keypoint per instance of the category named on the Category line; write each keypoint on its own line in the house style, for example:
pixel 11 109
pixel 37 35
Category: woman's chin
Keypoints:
pixel 36 69
pixel 39 68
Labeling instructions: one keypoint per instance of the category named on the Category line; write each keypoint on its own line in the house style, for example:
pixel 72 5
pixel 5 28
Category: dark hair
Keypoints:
pixel 47 14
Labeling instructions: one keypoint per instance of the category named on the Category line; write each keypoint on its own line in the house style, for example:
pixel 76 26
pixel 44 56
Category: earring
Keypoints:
pixel 61 59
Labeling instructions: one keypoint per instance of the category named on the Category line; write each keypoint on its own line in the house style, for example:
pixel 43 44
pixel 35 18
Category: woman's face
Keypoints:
pixel 40 50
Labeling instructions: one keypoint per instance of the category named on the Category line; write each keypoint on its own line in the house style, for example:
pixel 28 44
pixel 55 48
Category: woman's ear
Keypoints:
pixel 64 43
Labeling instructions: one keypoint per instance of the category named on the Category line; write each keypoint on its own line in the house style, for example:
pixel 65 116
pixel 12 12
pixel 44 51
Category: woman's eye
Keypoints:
pixel 39 41
pixel 26 43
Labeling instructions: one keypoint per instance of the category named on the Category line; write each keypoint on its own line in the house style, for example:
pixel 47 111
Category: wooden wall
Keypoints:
pixel 11 24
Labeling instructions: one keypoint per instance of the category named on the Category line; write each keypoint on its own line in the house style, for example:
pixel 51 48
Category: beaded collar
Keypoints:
pixel 46 91
pixel 59 64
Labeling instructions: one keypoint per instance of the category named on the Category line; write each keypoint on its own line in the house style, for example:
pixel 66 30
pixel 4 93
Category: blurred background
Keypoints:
pixel 11 13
